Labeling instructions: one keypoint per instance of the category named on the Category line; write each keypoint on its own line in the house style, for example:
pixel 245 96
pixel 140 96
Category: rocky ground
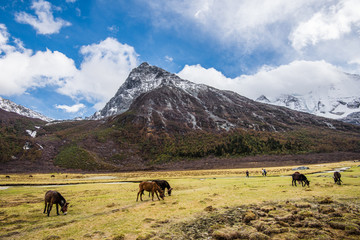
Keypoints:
pixel 320 218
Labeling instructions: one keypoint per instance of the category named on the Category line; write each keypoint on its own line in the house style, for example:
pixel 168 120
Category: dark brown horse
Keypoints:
pixel 150 187
pixel 337 178
pixel 300 178
pixel 53 197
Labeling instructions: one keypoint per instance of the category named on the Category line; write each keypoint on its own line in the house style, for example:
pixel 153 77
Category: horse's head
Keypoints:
pixel 64 208
pixel 169 191
pixel 307 182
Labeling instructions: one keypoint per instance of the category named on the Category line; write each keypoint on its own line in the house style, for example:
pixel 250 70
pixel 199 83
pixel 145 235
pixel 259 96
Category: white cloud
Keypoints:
pixel 169 59
pixel 21 69
pixel 43 22
pixel 104 68
pixel 296 77
pixel 280 28
pixel 327 24
pixel 71 109
pixel 241 22
pixel 210 76
pixel 113 29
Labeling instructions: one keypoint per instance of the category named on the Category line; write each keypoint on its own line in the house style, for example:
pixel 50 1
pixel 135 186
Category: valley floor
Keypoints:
pixel 205 204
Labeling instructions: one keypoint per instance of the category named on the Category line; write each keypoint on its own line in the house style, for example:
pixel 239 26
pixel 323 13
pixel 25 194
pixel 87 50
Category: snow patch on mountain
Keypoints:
pixel 10 106
pixel 31 133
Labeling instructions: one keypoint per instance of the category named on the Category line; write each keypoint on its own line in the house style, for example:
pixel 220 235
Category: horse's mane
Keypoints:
pixel 61 199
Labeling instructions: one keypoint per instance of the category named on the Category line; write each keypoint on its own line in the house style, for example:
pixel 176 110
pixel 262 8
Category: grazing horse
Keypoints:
pixel 150 187
pixel 53 197
pixel 163 184
pixel 301 178
pixel 337 178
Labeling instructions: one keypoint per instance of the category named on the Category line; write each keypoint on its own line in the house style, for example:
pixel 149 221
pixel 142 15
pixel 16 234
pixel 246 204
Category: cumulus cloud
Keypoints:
pixel 298 77
pixel 71 109
pixel 44 21
pixel 327 24
pixel 104 68
pixel 21 69
pixel 209 76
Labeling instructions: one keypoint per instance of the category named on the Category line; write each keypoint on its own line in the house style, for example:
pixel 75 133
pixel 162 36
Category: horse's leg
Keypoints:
pixel 157 194
pixel 45 207
pixel 152 195
pixel 57 209
pixel 49 208
pixel 137 198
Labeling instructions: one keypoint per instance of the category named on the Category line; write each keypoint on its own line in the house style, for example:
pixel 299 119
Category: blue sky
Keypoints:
pixel 67 58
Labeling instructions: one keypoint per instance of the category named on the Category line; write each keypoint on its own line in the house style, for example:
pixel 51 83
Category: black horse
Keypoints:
pixel 163 184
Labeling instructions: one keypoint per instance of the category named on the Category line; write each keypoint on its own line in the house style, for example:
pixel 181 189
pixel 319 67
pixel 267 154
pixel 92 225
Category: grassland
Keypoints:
pixel 103 206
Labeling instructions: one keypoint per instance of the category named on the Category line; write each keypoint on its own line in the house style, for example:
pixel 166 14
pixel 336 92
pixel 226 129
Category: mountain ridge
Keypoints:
pixel 10 106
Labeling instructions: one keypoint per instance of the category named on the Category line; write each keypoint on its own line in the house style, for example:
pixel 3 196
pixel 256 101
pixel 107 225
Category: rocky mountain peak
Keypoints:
pixel 142 79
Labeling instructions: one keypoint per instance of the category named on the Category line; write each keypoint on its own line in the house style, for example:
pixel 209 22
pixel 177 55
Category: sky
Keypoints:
pixel 67 58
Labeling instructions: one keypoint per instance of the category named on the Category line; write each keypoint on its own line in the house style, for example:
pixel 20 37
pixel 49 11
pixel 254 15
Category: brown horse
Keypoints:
pixel 53 197
pixel 150 187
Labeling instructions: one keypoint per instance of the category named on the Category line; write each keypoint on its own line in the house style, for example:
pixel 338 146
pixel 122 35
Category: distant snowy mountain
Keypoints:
pixel 337 101
pixel 10 106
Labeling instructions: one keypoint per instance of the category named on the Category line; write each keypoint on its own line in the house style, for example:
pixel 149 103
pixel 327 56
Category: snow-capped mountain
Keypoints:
pixel 10 106
pixel 142 79
pixel 159 100
pixel 336 101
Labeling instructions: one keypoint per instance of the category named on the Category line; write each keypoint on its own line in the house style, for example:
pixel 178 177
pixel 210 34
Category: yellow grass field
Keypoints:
pixel 103 206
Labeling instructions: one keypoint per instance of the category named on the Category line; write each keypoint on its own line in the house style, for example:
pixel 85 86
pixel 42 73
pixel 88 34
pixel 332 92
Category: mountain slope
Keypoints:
pixel 16 135
pixel 10 106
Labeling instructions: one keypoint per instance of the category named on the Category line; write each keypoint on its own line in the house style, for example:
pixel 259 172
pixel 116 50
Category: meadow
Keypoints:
pixel 212 204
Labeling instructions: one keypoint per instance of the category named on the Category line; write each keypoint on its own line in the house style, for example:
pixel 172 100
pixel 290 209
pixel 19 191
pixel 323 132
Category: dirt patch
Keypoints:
pixel 309 219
